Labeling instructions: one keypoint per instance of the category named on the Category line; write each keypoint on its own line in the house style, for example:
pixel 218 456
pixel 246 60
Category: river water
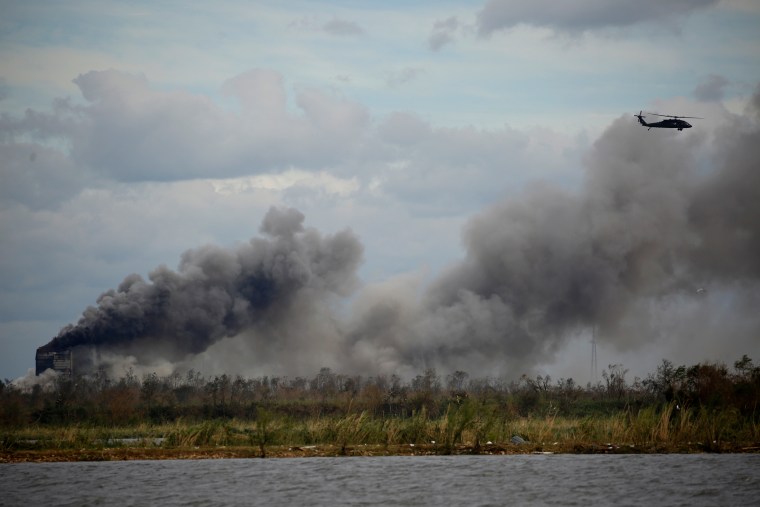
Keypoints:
pixel 651 480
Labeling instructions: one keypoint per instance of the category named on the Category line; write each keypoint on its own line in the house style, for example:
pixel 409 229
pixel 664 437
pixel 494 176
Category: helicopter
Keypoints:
pixel 672 122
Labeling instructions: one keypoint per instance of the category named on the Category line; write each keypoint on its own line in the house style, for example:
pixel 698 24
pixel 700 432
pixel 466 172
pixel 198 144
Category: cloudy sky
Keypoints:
pixel 448 148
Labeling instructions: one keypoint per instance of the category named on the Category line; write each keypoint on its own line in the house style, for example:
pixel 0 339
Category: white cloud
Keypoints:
pixel 128 131
pixel 317 182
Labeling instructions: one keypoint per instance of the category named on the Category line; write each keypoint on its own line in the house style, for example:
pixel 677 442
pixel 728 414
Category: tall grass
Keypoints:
pixel 467 424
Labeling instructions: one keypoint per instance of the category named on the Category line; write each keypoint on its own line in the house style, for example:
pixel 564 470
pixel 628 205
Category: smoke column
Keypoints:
pixel 651 223
pixel 290 273
pixel 650 228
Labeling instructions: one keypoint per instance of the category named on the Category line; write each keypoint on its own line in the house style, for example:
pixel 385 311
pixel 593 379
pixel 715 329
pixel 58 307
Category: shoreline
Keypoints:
pixel 363 450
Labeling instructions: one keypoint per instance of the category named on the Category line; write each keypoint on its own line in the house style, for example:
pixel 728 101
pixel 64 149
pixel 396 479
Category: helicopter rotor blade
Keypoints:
pixel 676 117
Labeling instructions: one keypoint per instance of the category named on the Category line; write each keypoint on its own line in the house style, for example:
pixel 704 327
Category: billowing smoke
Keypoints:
pixel 290 274
pixel 653 227
pixel 653 222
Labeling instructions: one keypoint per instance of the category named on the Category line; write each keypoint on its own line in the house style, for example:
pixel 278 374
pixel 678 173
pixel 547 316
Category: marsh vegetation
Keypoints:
pixel 705 407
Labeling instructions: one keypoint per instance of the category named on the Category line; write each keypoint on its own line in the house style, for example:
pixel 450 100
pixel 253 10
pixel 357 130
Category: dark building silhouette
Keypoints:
pixel 57 360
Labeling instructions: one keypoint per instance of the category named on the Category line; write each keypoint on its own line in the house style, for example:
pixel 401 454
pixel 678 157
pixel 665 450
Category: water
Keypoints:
pixel 697 479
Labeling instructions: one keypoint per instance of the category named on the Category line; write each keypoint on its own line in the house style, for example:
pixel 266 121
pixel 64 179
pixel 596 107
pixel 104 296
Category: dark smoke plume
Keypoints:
pixel 218 293
pixel 652 225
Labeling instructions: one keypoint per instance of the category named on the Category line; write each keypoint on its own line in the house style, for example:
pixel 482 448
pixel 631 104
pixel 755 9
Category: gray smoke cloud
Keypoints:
pixel 652 226
pixel 711 89
pixel 649 230
pixel 582 15
pixel 217 293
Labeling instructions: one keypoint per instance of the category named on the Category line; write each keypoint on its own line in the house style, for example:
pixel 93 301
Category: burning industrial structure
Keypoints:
pixel 60 361
pixel 272 289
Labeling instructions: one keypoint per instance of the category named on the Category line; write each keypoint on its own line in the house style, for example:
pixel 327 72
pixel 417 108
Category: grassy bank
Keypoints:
pixel 466 428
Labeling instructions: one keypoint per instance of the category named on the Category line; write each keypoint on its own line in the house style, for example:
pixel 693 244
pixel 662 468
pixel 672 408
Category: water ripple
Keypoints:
pixel 620 480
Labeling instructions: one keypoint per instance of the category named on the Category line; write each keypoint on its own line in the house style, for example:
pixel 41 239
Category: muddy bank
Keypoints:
pixel 221 452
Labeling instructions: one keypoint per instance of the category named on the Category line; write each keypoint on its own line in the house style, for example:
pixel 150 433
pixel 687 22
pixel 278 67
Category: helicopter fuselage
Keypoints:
pixel 669 123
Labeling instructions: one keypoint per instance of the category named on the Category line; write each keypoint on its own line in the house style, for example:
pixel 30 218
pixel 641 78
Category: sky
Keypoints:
pixel 458 185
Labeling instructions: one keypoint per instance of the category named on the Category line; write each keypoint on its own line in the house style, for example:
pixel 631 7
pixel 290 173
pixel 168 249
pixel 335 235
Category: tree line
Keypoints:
pixel 99 399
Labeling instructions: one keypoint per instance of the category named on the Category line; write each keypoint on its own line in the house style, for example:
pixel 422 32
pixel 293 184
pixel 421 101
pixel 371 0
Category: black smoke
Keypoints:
pixel 217 293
